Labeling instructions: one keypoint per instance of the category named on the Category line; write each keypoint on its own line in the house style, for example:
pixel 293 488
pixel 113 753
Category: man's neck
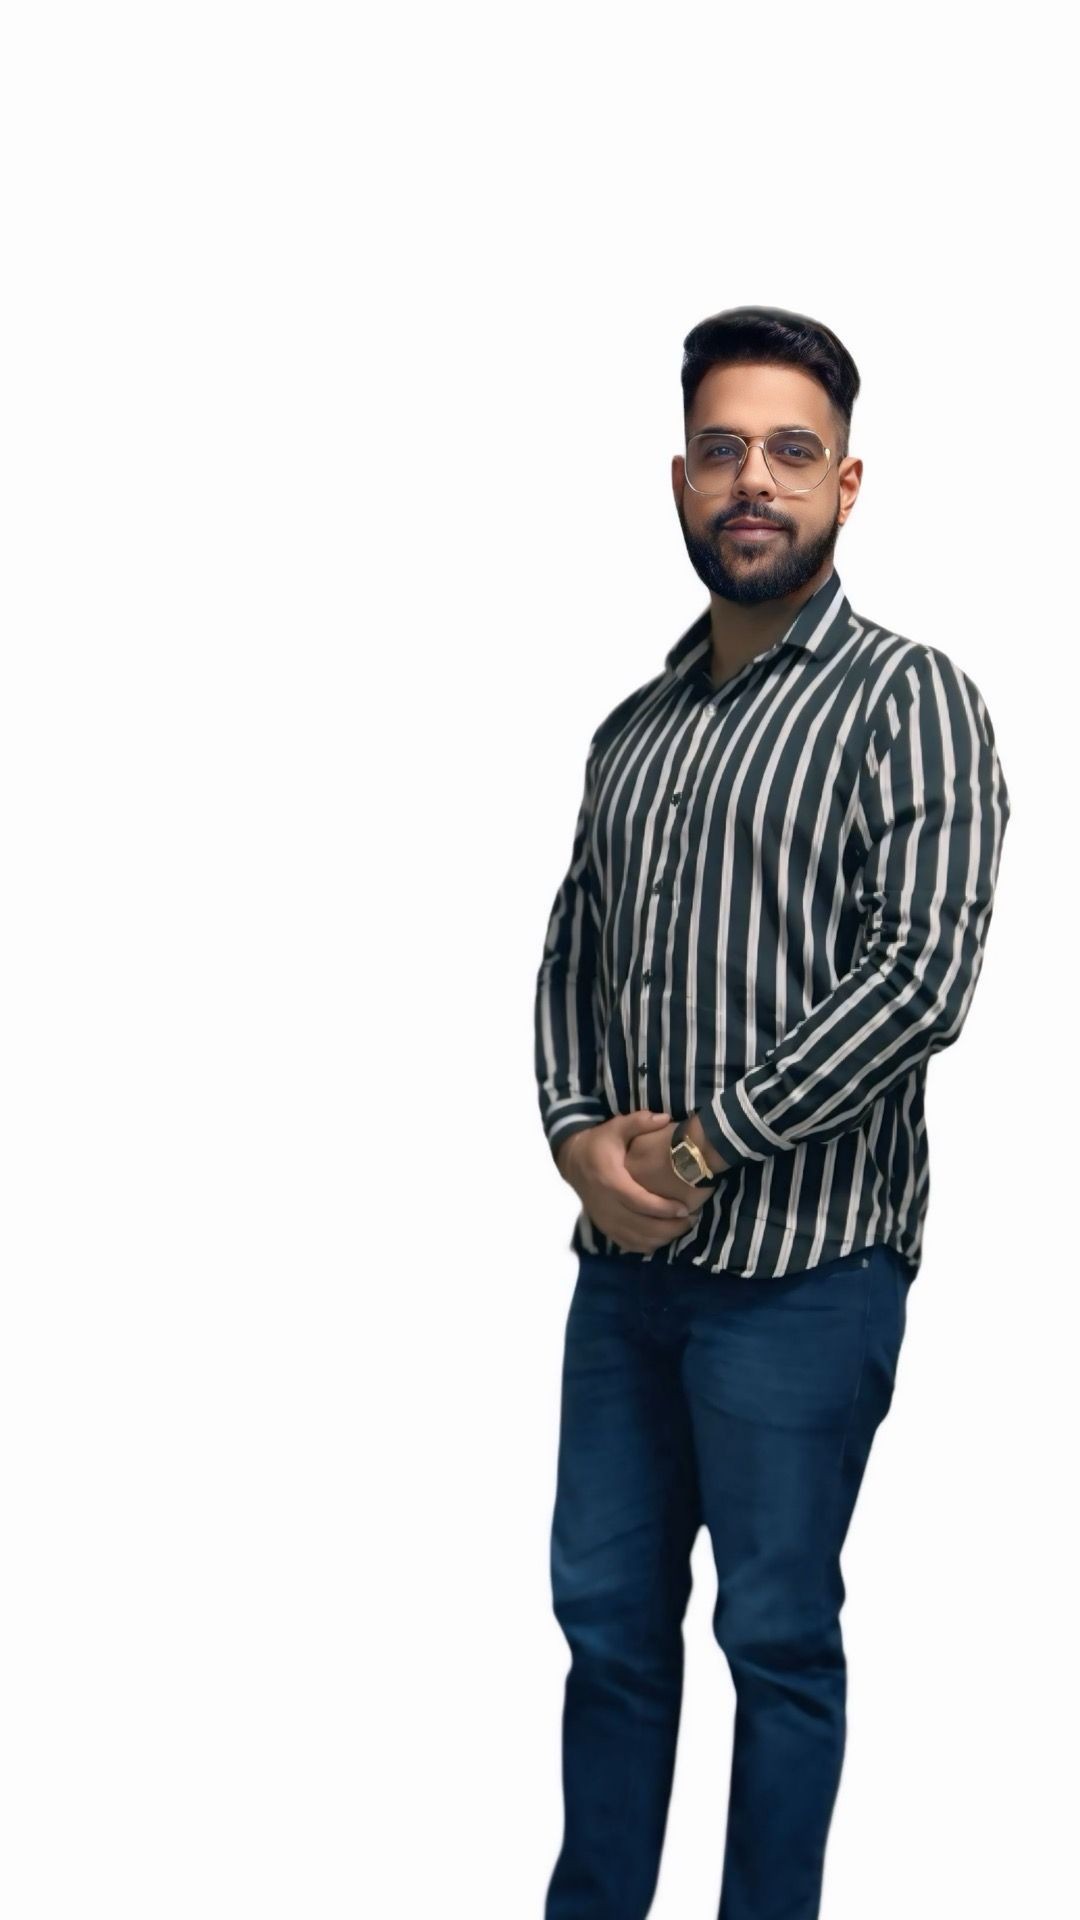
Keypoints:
pixel 740 633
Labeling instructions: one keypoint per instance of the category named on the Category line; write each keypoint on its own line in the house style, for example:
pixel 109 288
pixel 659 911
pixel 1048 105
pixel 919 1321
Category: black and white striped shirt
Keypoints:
pixel 775 912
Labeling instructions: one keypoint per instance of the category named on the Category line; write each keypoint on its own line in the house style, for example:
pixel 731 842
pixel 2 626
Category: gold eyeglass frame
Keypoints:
pixel 710 433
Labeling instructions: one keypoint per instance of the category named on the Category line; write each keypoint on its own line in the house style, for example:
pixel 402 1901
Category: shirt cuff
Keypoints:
pixel 736 1134
pixel 577 1124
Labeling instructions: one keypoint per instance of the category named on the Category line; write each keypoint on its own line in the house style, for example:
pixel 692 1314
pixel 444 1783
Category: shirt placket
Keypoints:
pixel 677 800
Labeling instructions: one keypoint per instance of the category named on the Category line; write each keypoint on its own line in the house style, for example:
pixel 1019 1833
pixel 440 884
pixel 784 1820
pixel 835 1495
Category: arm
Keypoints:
pixel 568 1027
pixel 934 811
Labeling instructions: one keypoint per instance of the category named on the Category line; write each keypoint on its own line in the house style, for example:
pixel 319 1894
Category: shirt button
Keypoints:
pixel 675 798
pixel 646 976
pixel 711 708
pixel 641 1072
pixel 657 884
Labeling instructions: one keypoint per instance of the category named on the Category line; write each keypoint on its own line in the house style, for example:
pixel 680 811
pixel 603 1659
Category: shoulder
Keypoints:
pixel 903 674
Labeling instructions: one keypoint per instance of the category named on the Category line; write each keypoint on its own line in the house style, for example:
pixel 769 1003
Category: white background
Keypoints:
pixel 339 375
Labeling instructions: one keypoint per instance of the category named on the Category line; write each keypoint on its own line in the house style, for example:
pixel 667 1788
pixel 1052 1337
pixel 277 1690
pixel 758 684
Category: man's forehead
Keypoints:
pixel 736 397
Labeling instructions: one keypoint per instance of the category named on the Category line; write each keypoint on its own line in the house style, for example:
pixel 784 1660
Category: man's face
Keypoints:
pixel 752 401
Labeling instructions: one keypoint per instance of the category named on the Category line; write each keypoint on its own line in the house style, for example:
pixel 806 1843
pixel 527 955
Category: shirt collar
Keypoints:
pixel 819 622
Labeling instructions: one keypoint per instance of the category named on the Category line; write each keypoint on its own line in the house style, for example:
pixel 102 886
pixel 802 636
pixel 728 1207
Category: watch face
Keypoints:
pixel 685 1165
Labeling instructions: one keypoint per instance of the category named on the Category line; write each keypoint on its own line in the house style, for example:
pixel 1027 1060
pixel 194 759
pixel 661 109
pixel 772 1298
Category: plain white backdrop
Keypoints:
pixel 339 383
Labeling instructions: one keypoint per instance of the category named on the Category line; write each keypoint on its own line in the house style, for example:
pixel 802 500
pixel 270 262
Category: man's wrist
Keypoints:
pixel 565 1151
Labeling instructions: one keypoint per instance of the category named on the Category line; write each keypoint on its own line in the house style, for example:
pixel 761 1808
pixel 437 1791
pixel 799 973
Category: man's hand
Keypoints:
pixel 596 1162
pixel 648 1161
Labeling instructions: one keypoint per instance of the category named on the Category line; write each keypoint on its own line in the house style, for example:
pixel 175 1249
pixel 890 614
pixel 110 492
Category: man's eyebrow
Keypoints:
pixel 789 426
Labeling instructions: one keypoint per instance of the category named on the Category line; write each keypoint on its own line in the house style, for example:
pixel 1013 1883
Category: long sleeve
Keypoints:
pixel 934 808
pixel 568 1030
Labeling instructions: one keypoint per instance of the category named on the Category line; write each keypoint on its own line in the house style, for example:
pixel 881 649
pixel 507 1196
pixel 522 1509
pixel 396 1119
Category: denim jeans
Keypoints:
pixel 749 1405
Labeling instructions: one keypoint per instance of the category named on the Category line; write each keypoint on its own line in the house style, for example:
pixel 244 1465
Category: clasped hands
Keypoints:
pixel 622 1173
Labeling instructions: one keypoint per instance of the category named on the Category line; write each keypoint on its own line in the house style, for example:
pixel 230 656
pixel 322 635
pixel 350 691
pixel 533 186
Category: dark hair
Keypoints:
pixel 774 335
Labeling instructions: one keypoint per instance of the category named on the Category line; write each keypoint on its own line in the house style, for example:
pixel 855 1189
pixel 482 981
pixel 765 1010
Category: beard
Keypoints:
pixel 759 575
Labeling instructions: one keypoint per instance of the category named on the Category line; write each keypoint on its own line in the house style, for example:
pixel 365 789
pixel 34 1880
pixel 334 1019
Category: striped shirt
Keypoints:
pixel 776 910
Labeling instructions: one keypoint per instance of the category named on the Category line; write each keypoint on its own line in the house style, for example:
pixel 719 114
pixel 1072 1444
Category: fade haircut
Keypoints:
pixel 775 336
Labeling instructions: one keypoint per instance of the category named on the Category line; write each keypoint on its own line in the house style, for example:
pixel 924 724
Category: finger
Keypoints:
pixel 641 1236
pixel 641 1200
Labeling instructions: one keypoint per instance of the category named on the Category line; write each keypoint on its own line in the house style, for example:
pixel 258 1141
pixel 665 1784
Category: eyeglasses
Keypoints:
pixel 795 458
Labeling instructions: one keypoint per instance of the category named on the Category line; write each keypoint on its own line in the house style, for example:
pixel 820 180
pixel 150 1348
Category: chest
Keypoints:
pixel 719 793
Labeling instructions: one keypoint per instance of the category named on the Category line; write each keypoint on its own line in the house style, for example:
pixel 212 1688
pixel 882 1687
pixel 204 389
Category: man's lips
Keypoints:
pixel 751 529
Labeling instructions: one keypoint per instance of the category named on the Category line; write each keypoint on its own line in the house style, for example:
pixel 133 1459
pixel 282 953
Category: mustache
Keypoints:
pixel 749 513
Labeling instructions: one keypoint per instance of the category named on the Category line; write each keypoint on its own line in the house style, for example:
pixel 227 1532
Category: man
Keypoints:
pixel 776 910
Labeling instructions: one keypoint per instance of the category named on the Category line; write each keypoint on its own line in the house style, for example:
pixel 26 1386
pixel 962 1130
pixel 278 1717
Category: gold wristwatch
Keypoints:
pixel 688 1161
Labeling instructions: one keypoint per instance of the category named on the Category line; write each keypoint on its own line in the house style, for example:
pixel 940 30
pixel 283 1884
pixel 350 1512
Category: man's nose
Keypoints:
pixel 755 476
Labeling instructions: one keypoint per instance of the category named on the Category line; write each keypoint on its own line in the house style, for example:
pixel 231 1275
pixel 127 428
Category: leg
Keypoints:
pixel 787 1382
pixel 626 1517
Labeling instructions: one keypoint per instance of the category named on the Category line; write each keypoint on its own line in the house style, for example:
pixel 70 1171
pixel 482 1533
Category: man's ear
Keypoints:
pixel 850 481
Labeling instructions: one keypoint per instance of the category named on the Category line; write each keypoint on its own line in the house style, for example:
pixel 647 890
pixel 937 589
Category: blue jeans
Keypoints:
pixel 751 1405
